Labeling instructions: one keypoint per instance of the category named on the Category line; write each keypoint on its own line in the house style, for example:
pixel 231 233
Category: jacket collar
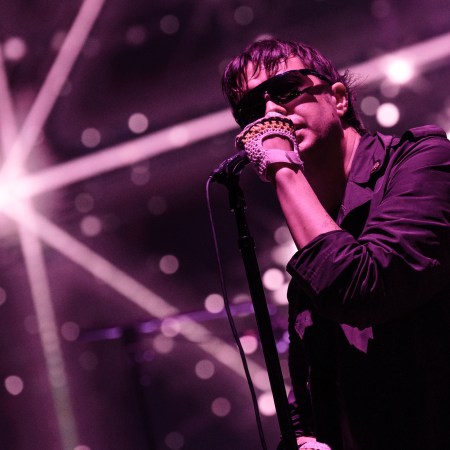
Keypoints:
pixel 369 160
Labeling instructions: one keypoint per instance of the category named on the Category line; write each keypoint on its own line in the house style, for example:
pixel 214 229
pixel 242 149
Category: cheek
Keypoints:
pixel 315 118
pixel 321 115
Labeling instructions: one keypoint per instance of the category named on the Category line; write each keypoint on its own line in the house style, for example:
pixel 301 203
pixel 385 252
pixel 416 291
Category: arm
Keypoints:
pixel 401 259
pixel 305 215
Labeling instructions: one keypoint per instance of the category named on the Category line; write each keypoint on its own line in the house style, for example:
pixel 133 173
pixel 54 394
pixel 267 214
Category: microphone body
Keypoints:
pixel 230 167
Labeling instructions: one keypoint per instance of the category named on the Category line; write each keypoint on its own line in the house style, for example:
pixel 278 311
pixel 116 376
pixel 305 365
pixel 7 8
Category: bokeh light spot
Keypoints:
pixel 84 202
pixel 140 175
pixel 136 35
pixel 399 71
pixel 162 344
pixel 221 407
pixel 273 279
pixel 266 404
pixel 91 225
pixel 70 331
pixel 174 440
pixel 389 89
pixel 170 327
pixel 169 24
pixel 282 235
pixel 91 137
pixel 249 344
pixel 369 105
pixel 205 369
pixel 169 264
pixel 14 48
pixel 214 303
pixel 138 123
pixel 280 295
pixel 14 384
pixel 388 115
pixel 243 15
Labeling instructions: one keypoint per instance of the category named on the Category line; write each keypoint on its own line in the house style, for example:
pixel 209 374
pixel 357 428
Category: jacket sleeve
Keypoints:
pixel 400 261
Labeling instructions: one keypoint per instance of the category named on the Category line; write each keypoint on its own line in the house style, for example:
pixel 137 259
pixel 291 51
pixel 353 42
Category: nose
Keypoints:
pixel 271 106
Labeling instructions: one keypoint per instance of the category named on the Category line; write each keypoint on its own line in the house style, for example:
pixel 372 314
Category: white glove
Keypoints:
pixel 251 139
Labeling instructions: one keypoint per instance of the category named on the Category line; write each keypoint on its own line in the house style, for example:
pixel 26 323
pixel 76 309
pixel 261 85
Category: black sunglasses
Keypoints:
pixel 281 89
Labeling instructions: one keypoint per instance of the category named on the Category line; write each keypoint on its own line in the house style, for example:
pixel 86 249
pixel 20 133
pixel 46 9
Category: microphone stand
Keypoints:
pixel 247 248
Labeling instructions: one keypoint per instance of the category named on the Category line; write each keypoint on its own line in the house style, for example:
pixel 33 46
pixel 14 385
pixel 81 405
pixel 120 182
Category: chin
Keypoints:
pixel 304 145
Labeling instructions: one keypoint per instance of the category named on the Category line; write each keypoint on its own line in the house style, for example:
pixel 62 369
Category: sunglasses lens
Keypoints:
pixel 281 89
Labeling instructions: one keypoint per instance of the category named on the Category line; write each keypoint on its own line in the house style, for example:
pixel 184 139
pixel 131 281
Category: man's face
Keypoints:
pixel 314 113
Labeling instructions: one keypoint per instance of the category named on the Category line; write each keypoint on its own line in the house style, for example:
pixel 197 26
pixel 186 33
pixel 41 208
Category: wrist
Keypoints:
pixel 281 169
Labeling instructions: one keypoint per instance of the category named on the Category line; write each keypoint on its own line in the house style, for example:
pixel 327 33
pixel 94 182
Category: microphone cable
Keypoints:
pixel 231 319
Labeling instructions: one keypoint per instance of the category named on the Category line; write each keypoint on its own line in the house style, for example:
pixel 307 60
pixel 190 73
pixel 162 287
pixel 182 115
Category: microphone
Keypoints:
pixel 229 167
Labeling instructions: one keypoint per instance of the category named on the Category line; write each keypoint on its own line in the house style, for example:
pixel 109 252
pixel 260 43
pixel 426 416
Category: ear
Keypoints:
pixel 340 94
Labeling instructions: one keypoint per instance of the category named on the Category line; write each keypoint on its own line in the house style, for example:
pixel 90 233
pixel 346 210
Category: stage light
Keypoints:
pixel 179 136
pixel 399 71
pixel 388 115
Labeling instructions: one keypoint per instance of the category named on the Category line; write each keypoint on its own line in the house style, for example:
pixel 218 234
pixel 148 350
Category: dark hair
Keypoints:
pixel 269 53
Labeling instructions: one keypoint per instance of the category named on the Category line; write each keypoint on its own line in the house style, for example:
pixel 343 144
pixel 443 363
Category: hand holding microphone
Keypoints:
pixel 251 139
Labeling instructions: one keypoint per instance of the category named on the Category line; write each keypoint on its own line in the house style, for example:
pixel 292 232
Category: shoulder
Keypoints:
pixel 424 142
pixel 426 135
pixel 423 132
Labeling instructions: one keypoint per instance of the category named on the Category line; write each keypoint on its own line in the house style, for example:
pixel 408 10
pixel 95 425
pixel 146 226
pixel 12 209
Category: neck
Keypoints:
pixel 351 144
pixel 328 173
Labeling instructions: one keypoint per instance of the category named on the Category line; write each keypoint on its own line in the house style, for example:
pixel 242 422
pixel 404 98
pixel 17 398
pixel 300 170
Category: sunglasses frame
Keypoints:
pixel 265 87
